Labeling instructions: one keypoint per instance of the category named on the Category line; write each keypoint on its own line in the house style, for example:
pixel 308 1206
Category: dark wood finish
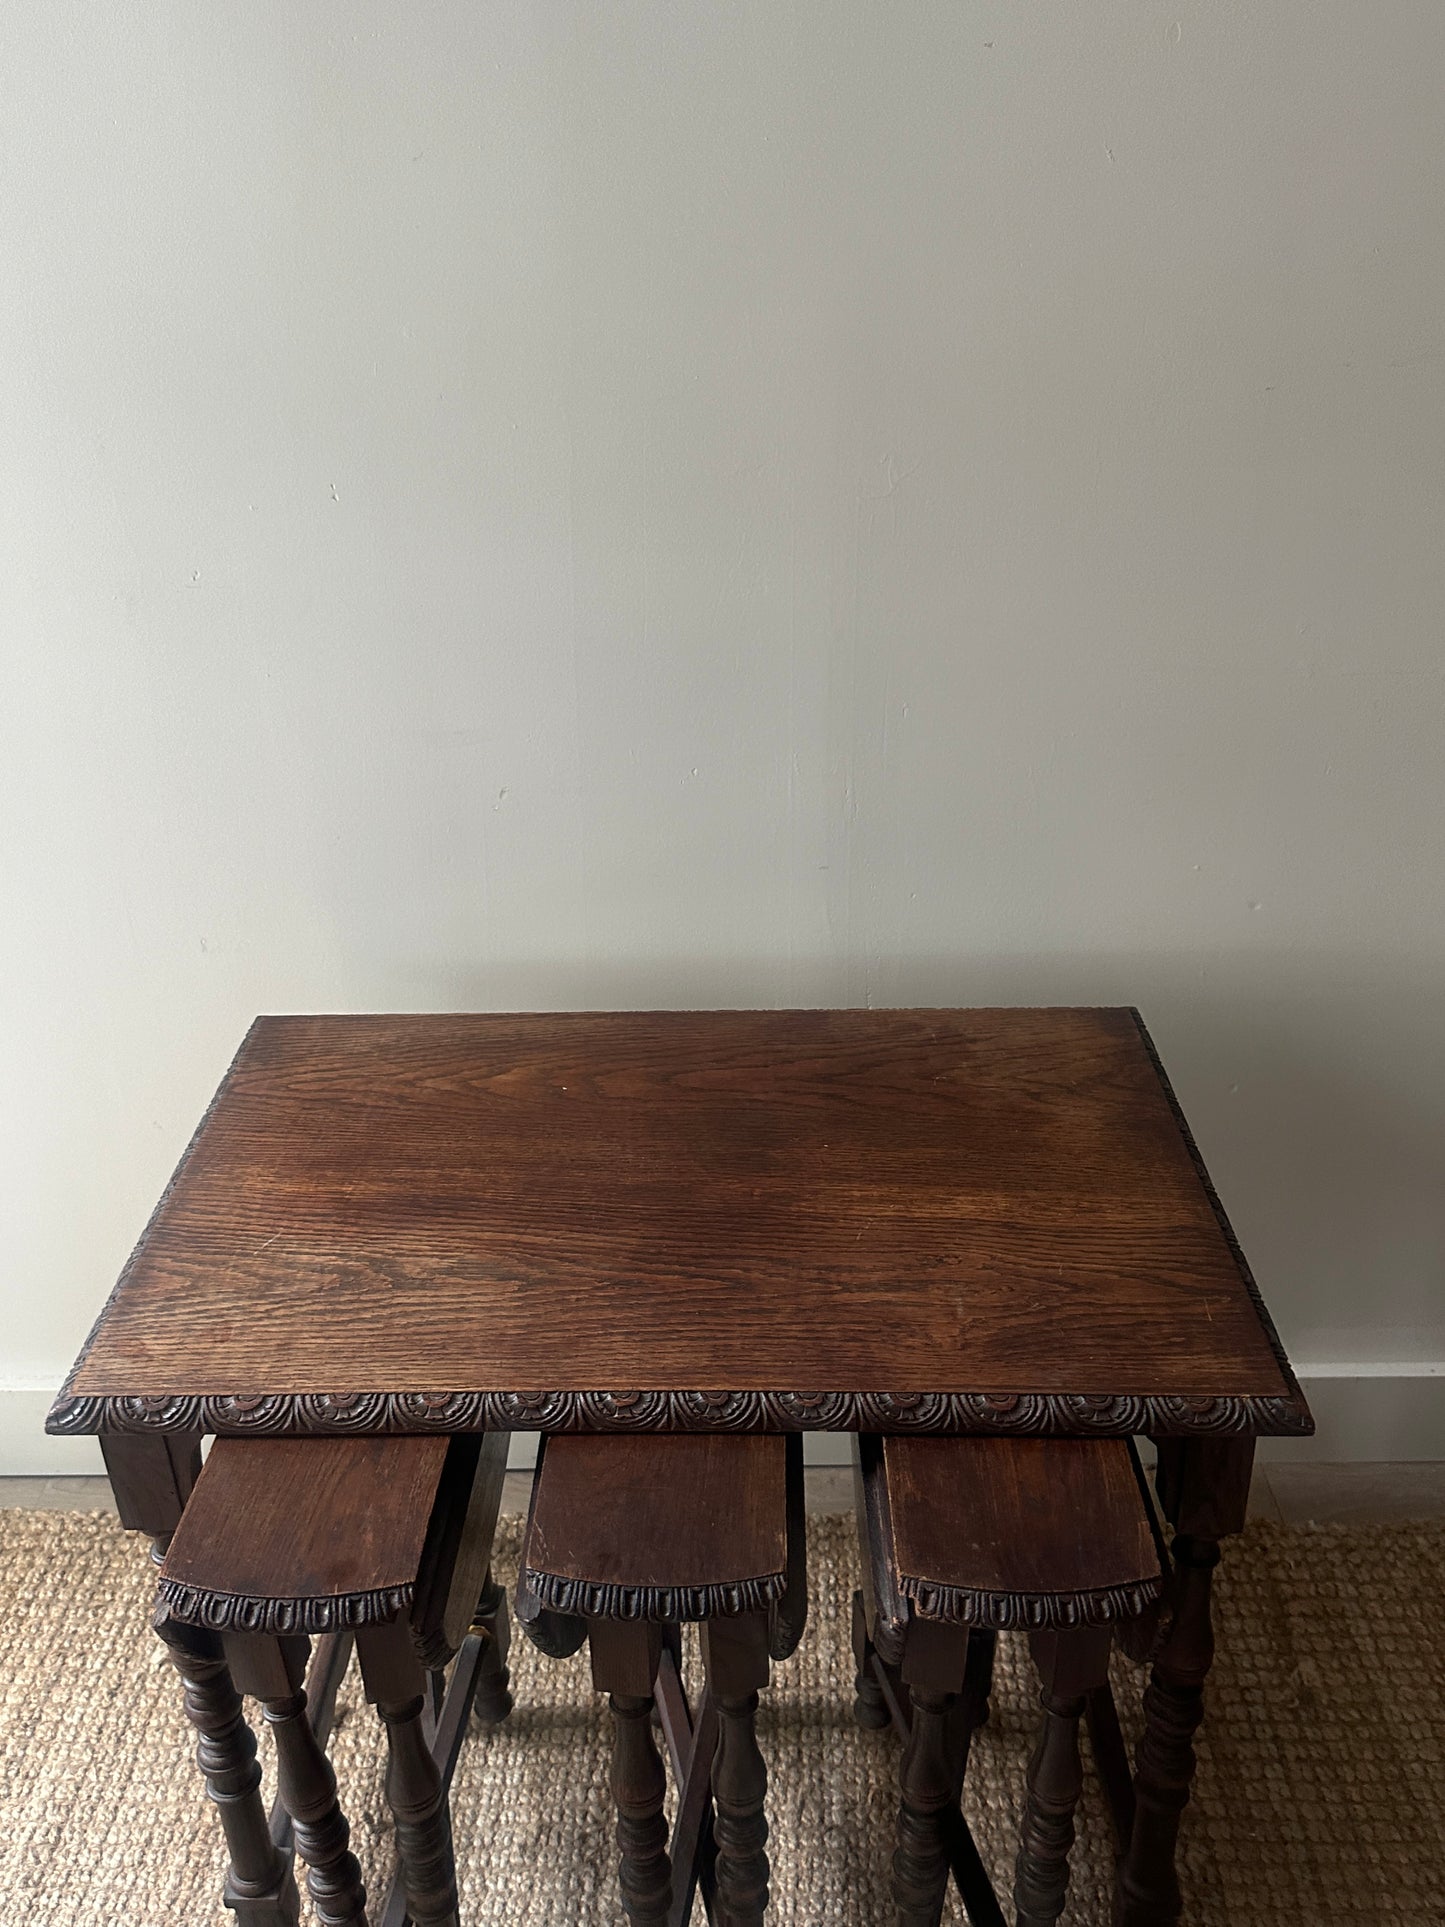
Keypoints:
pixel 788 1617
pixel 395 1685
pixel 691 1745
pixel 273 1670
pixel 628 1537
pixel 962 1536
pixel 625 1659
pixel 152 1477
pixel 941 1220
pixel 330 1658
pixel 675 1528
pixel 969 1712
pixel 492 1626
pixel 456 1558
pixel 1203 1484
pixel 1203 1487
pixel 735 1661
pixel 870 1707
pixel 1111 1760
pixel 1072 1665
pixel 260 1888
pixel 304 1535
pixel 1148 1892
pixel 1011 1533
pixel 463 1692
pixel 399 1533
pixel 925 1784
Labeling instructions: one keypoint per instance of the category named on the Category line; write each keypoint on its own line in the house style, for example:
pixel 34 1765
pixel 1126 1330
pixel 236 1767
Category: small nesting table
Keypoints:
pixel 965 1221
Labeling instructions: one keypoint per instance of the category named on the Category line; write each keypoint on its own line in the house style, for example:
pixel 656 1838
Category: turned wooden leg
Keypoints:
pixel 273 1671
pixel 1148 1892
pixel 870 1709
pixel 1203 1487
pixel 395 1683
pixel 494 1695
pixel 935 1671
pixel 260 1888
pixel 1071 1665
pixel 639 1785
pixel 925 1784
pixel 735 1662
pixel 625 1658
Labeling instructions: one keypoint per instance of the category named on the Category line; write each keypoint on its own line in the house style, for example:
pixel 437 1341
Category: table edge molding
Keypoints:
pixel 1023 1413
pixel 227 1612
pixel 1007 1611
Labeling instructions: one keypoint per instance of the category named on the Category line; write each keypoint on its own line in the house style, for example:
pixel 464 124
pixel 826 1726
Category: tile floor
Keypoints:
pixel 1291 1494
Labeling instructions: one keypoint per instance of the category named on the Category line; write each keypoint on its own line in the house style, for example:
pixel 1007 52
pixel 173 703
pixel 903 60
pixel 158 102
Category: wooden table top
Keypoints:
pixel 948 1220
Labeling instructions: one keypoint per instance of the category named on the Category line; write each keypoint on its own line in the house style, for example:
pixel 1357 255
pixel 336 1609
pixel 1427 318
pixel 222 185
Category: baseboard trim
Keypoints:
pixel 1363 1413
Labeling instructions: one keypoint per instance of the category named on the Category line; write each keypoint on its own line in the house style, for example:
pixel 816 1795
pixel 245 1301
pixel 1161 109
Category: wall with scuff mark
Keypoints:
pixel 575 505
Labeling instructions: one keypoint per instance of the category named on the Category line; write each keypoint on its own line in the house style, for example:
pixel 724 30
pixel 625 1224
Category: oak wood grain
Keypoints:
pixel 307 1520
pixel 1005 1532
pixel 618 1525
pixel 992 1202
pixel 1020 1515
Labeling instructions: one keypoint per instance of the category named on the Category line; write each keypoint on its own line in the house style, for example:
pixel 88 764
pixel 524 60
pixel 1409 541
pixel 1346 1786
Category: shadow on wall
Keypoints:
pixel 1314 1082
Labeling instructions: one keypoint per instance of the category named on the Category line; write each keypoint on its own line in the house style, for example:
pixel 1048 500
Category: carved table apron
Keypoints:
pixel 953 1221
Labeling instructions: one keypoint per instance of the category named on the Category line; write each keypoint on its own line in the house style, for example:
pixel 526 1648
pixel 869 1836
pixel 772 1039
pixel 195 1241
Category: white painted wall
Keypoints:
pixel 575 505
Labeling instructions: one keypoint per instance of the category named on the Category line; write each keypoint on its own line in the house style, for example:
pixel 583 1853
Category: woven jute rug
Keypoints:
pixel 1320 1796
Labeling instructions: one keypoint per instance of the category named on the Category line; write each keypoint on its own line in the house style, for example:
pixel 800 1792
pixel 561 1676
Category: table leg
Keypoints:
pixel 260 1888
pixel 1203 1487
pixel 151 1476
pixel 494 1696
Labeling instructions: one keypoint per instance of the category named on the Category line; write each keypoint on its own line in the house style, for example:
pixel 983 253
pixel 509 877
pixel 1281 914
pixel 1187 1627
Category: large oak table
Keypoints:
pixel 970 1221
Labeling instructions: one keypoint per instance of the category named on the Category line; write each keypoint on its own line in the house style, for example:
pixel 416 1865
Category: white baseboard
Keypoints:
pixel 1385 1414
pixel 26 1452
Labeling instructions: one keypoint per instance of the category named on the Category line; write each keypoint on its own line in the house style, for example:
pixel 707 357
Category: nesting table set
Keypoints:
pixel 971 1224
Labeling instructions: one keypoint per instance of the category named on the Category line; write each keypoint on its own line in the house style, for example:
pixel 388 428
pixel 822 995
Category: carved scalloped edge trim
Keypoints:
pixel 228 1612
pixel 591 1599
pixel 1032 1611
pixel 1062 1414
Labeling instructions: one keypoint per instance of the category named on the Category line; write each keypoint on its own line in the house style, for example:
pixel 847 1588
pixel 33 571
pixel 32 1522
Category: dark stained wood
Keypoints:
pixel 387 1222
pixel 969 1711
pixel 455 1560
pixel 628 1536
pixel 1020 1531
pixel 394 1535
pixel 1072 1665
pixel 663 1528
pixel 870 1708
pixel 330 1532
pixel 960 1536
pixel 927 1798
pixel 492 1626
pixel 691 1745
pixel 152 1477
pixel 788 1618
pixel 1148 1892
pixel 625 1659
pixel 330 1658
pixel 735 1662
pixel 260 1887
pixel 415 1792
pixel 1203 1484
pixel 273 1671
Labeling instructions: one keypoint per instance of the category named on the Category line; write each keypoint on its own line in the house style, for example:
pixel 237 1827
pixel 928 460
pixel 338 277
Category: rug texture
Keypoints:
pixel 1320 1796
